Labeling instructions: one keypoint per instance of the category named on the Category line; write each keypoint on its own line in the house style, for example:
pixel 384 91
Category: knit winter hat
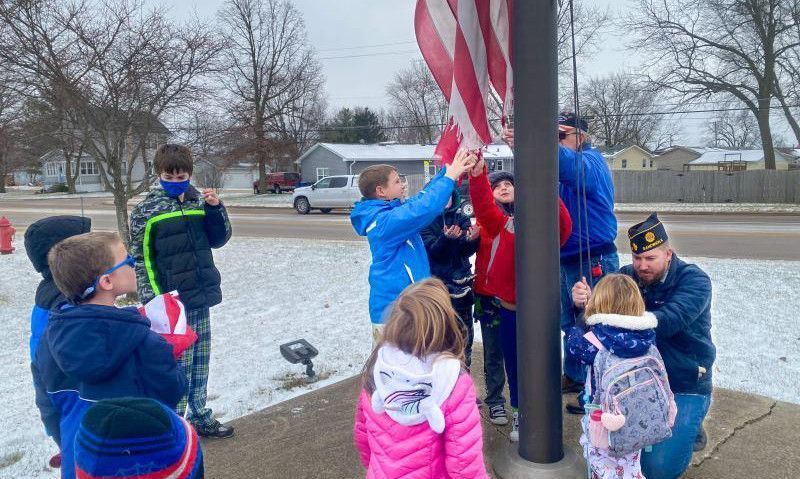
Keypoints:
pixel 136 438
pixel 42 235
pixel 496 177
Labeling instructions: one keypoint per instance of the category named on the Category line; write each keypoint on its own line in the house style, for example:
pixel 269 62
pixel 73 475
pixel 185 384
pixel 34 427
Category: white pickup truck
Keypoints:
pixel 326 194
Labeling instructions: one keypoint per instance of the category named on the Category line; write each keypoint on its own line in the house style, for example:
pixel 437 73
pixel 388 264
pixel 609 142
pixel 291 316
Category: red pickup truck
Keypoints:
pixel 279 182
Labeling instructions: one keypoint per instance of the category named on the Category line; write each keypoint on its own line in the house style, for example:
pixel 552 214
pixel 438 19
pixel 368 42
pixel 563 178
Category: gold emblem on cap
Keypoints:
pixel 650 237
pixel 634 247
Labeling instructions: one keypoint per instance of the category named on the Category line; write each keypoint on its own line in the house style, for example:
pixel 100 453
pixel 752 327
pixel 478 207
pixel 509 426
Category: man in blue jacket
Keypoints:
pixel 679 294
pixel 587 190
pixel 92 350
pixel 392 227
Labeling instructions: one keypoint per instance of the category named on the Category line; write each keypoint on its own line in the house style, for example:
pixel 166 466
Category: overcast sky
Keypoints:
pixel 362 43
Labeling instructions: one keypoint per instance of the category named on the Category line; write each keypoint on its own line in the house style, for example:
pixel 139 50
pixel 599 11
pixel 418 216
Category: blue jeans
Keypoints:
pixel 669 459
pixel 508 338
pixel 571 274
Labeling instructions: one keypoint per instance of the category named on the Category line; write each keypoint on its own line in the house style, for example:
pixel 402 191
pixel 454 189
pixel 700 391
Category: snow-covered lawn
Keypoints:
pixel 279 290
pixel 283 200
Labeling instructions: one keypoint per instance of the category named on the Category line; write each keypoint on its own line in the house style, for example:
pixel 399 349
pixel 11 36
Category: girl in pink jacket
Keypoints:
pixel 417 416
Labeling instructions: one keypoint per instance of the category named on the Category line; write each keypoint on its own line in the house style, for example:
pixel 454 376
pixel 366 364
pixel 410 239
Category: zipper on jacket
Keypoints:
pixel 198 274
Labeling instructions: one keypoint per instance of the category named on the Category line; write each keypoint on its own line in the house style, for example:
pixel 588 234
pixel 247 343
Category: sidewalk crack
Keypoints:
pixel 736 429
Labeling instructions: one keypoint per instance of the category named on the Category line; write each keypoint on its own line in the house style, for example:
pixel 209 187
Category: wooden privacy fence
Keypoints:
pixel 760 186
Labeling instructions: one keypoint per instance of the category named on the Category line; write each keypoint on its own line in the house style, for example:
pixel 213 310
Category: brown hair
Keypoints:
pixel 173 158
pixel 78 260
pixel 372 177
pixel 422 321
pixel 616 294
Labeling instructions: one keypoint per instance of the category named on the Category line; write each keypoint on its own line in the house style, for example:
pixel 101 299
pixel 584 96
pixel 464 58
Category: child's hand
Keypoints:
pixel 473 232
pixel 479 168
pixel 211 197
pixel 508 136
pixel 581 293
pixel 463 161
pixel 453 231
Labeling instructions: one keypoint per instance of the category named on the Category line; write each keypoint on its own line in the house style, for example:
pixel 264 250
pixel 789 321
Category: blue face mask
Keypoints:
pixel 174 188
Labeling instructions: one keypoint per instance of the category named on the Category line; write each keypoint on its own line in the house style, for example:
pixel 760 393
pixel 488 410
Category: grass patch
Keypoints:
pixel 291 381
pixel 10 459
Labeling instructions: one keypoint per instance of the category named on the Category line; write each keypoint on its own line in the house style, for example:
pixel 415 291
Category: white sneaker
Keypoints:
pixel 514 436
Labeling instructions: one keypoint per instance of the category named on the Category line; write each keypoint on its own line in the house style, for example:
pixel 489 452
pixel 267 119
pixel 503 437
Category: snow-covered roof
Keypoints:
pixel 394 151
pixel 712 156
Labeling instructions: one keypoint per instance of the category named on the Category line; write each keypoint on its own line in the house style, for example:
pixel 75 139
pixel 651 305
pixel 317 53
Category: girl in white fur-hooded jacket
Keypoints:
pixel 628 401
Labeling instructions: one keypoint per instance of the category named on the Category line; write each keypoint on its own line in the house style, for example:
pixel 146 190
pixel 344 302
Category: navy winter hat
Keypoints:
pixel 42 235
pixel 136 438
pixel 496 177
pixel 567 121
pixel 647 235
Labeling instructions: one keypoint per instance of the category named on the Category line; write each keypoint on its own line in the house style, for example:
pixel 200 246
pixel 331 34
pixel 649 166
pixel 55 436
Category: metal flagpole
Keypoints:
pixel 541 452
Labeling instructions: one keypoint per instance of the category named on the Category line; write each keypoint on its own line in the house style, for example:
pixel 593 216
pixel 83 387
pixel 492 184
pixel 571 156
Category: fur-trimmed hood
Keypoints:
pixel 411 390
pixel 624 336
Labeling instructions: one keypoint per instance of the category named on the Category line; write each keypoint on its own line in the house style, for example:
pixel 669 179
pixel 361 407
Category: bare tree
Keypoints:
pixel 704 49
pixel 269 69
pixel 11 135
pixel 618 105
pixel 417 105
pixel 737 130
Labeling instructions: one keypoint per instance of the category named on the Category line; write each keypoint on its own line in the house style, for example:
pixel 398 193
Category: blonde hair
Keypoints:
pixel 77 261
pixel 422 322
pixel 616 294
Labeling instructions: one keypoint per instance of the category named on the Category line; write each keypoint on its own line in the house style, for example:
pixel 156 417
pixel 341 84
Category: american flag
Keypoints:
pixel 467 46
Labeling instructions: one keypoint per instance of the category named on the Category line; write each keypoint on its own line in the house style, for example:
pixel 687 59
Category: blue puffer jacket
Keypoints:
pixel 93 352
pixel 40 237
pixel 682 304
pixel 599 202
pixel 449 257
pixel 393 230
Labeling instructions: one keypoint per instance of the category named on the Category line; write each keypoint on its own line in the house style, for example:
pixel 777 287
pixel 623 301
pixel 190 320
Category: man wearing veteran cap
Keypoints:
pixel 679 295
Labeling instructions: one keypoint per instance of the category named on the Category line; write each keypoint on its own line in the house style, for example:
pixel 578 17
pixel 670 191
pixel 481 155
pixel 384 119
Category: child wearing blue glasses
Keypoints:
pixel 92 350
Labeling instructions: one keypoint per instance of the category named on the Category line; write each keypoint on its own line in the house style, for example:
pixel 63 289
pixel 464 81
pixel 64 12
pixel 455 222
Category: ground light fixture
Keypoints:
pixel 301 351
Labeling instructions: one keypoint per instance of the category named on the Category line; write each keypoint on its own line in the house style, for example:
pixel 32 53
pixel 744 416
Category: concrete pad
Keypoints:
pixel 311 437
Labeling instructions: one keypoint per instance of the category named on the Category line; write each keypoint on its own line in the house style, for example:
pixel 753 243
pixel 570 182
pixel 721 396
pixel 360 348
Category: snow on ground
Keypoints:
pixel 283 200
pixel 278 290
pixel 710 208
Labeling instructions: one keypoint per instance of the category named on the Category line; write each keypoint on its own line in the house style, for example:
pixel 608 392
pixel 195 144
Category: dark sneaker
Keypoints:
pixel 217 431
pixel 570 386
pixel 574 407
pixel 497 415
pixel 700 441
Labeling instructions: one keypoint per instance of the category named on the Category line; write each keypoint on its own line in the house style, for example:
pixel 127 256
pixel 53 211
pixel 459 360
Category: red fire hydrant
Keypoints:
pixel 6 235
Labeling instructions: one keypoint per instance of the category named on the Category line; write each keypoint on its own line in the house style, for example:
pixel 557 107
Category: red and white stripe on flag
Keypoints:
pixel 167 317
pixel 466 44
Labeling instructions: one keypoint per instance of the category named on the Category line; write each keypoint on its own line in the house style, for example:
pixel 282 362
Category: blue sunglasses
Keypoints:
pixel 129 261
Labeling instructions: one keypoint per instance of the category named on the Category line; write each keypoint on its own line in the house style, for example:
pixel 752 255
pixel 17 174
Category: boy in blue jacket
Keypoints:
pixel 40 237
pixel 392 227
pixel 92 350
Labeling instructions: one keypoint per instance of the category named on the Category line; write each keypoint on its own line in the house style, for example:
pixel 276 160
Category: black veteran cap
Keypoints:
pixel 647 235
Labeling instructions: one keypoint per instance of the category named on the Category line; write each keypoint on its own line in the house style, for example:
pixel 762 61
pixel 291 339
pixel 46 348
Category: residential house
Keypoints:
pixel 631 158
pixel 714 159
pixel 329 159
pixel 675 158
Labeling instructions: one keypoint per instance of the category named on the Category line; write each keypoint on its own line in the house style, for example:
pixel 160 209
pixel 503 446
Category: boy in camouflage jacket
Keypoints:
pixel 172 233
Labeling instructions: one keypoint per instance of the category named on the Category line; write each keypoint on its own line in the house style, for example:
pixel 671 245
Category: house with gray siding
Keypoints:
pixel 329 159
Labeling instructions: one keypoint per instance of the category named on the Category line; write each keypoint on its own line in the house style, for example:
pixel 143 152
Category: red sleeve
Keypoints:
pixel 360 432
pixel 564 223
pixel 488 214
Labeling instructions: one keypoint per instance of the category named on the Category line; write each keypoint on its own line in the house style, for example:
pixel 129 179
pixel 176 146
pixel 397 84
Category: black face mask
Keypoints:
pixel 508 208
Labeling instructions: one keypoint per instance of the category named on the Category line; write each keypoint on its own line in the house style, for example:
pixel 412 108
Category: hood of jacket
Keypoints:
pixel 42 235
pixel 90 342
pixel 365 211
pixel 624 336
pixel 412 390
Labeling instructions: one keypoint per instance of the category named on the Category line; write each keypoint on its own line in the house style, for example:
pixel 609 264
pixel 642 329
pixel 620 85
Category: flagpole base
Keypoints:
pixel 508 464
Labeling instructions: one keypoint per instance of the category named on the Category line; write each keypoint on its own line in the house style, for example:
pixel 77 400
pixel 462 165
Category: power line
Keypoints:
pixel 367 46
pixel 403 52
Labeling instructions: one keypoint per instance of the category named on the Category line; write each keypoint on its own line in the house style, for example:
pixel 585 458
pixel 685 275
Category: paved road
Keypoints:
pixel 722 236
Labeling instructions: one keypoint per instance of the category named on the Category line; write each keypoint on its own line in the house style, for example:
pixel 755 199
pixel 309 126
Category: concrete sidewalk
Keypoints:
pixel 311 437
